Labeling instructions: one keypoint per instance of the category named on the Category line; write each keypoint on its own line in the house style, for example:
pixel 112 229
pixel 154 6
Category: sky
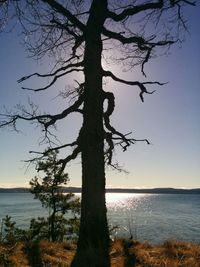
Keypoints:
pixel 169 119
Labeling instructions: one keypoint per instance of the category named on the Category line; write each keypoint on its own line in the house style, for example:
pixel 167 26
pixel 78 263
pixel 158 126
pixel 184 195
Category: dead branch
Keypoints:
pixel 141 85
pixel 66 13
pixel 71 65
pixel 56 77
pixel 135 10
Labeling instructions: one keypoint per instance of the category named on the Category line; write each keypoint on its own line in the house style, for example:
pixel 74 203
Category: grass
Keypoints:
pixel 123 253
pixel 170 254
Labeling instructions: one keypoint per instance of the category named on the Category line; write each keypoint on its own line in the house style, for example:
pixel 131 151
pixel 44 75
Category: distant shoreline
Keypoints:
pixel 115 190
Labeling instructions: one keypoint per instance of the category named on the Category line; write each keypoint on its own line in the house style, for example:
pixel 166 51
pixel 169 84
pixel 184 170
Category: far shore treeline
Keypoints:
pixel 114 190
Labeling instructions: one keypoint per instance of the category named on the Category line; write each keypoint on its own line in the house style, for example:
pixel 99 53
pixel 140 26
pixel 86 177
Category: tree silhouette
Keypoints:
pixel 79 34
pixel 49 190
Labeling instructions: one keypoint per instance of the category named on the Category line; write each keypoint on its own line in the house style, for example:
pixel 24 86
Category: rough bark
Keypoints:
pixel 93 240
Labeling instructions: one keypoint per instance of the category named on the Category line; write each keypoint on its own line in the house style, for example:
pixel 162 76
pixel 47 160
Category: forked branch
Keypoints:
pixel 55 78
pixel 135 10
pixel 149 6
pixel 70 157
pixel 141 85
pixel 66 13
pixel 66 112
pixel 112 136
pixel 63 162
pixel 63 68
pixel 45 120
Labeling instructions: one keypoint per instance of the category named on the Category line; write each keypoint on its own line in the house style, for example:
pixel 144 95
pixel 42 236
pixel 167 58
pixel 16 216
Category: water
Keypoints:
pixel 151 217
pixel 156 217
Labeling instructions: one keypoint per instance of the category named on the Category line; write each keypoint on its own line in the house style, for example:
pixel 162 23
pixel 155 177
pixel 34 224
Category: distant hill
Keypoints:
pixel 115 190
pixel 156 191
pixel 14 190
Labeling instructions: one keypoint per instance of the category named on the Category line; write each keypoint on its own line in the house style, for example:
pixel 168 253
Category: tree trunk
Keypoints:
pixel 52 217
pixel 93 243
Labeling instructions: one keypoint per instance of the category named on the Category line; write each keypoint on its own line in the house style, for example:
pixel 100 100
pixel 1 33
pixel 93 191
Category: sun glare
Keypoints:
pixel 126 200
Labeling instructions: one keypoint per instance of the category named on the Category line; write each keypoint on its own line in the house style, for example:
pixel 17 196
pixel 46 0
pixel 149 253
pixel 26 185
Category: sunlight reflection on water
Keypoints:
pixel 154 217
pixel 118 197
pixel 126 211
pixel 115 201
pixel 126 201
pixel 151 217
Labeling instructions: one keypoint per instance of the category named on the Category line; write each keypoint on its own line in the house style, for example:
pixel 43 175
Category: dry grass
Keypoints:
pixel 123 253
pixel 13 256
pixel 44 253
pixel 170 254
pixel 117 254
pixel 56 254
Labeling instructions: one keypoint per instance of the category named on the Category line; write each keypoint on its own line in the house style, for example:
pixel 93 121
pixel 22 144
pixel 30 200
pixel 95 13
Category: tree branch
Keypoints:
pixel 61 162
pixel 133 83
pixel 140 41
pixel 144 7
pixel 65 12
pixel 113 134
pixel 143 45
pixel 66 112
pixel 72 156
pixel 135 10
pixel 71 65
pixel 54 148
pixel 124 40
pixel 46 120
pixel 12 119
pixel 79 39
pixel 56 77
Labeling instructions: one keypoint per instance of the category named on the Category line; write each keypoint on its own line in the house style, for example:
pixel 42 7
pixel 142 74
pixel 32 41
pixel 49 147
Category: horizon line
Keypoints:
pixel 118 188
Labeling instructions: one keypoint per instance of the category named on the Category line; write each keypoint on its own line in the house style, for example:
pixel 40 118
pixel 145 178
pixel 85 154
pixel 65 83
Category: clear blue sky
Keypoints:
pixel 169 119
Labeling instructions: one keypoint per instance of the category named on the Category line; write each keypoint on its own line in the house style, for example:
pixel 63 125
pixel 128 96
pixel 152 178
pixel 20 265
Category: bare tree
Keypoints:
pixel 79 35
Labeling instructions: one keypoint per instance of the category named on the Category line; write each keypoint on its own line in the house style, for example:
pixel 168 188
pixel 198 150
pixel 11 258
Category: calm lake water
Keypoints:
pixel 151 217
